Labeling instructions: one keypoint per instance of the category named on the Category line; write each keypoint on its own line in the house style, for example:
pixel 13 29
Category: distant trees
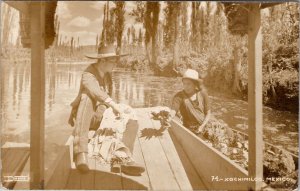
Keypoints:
pixel 108 30
pixel 173 29
pixel 113 24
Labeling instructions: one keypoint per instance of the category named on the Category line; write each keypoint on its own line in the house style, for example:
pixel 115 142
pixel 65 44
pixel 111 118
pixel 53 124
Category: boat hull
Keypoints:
pixel 216 170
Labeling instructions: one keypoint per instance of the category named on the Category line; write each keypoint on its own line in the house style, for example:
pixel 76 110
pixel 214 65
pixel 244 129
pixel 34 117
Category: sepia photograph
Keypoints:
pixel 149 95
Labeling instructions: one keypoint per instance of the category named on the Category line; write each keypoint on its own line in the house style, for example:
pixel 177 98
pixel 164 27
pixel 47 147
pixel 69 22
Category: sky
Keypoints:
pixel 84 19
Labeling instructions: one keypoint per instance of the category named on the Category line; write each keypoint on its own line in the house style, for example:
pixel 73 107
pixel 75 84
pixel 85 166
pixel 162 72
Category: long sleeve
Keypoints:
pixel 176 102
pixel 92 87
pixel 206 103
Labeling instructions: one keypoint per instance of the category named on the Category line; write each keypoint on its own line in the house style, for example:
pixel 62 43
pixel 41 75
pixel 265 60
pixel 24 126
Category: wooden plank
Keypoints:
pixel 13 164
pixel 105 180
pixel 3 153
pixel 19 5
pixel 87 180
pixel 172 157
pixel 138 182
pixel 192 174
pixel 14 159
pixel 155 159
pixel 37 95
pixel 255 124
pixel 73 182
pixel 57 176
pixel 24 185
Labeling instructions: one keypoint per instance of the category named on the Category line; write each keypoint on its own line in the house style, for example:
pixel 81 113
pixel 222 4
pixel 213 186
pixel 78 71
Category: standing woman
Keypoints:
pixel 192 102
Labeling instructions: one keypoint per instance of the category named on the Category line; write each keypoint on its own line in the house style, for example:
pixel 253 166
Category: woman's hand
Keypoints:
pixel 206 119
pixel 199 130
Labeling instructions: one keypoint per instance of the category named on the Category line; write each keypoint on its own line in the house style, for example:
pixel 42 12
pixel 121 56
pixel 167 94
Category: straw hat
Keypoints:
pixel 105 51
pixel 192 75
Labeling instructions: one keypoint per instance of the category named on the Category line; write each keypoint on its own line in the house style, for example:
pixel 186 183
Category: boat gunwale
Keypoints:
pixel 244 171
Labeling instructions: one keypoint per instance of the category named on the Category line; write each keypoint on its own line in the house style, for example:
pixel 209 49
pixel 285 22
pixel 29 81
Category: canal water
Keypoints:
pixel 135 89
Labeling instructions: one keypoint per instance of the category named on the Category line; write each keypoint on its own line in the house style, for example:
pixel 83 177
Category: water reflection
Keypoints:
pixel 135 89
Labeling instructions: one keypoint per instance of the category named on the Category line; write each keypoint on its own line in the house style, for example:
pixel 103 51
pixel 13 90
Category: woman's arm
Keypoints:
pixel 206 119
pixel 176 102
pixel 207 111
pixel 93 89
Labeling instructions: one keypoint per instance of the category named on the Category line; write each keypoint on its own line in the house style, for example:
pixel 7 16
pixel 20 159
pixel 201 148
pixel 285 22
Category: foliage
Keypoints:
pixel 237 15
pixel 281 57
pixel 139 11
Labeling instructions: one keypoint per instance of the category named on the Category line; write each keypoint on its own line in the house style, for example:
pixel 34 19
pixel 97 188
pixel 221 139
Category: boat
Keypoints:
pixel 174 159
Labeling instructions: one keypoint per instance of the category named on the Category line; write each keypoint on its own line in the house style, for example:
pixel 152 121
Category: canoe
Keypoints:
pixel 167 165
pixel 174 159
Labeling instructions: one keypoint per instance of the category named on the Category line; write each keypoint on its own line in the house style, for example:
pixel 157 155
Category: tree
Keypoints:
pixel 133 36
pixel 119 23
pixel 151 24
pixel 201 25
pixel 174 10
pixel 108 31
pixel 206 26
pixel 217 24
pixel 169 26
pixel 195 26
pixel 128 34
pixel 97 43
pixel 140 38
pixel 103 34
pixel 78 43
pixel 72 45
pixel 184 27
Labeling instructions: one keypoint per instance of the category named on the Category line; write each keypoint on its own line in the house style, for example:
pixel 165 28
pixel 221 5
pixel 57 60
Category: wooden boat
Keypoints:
pixel 175 159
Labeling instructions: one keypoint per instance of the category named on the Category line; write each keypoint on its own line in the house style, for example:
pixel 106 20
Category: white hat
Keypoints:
pixel 191 74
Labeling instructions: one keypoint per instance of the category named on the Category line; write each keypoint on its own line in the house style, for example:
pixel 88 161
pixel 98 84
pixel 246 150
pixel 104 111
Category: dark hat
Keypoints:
pixel 105 51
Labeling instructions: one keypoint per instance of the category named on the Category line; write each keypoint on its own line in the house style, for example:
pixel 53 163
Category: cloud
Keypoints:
pixel 63 10
pixel 79 22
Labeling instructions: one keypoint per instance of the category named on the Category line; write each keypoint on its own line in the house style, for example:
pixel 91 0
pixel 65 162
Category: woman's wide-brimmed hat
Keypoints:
pixel 192 75
pixel 105 51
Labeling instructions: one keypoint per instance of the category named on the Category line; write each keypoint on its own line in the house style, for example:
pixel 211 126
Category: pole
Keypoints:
pixel 37 103
pixel 255 165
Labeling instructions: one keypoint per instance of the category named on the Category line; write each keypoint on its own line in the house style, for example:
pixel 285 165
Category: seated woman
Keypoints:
pixel 192 102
